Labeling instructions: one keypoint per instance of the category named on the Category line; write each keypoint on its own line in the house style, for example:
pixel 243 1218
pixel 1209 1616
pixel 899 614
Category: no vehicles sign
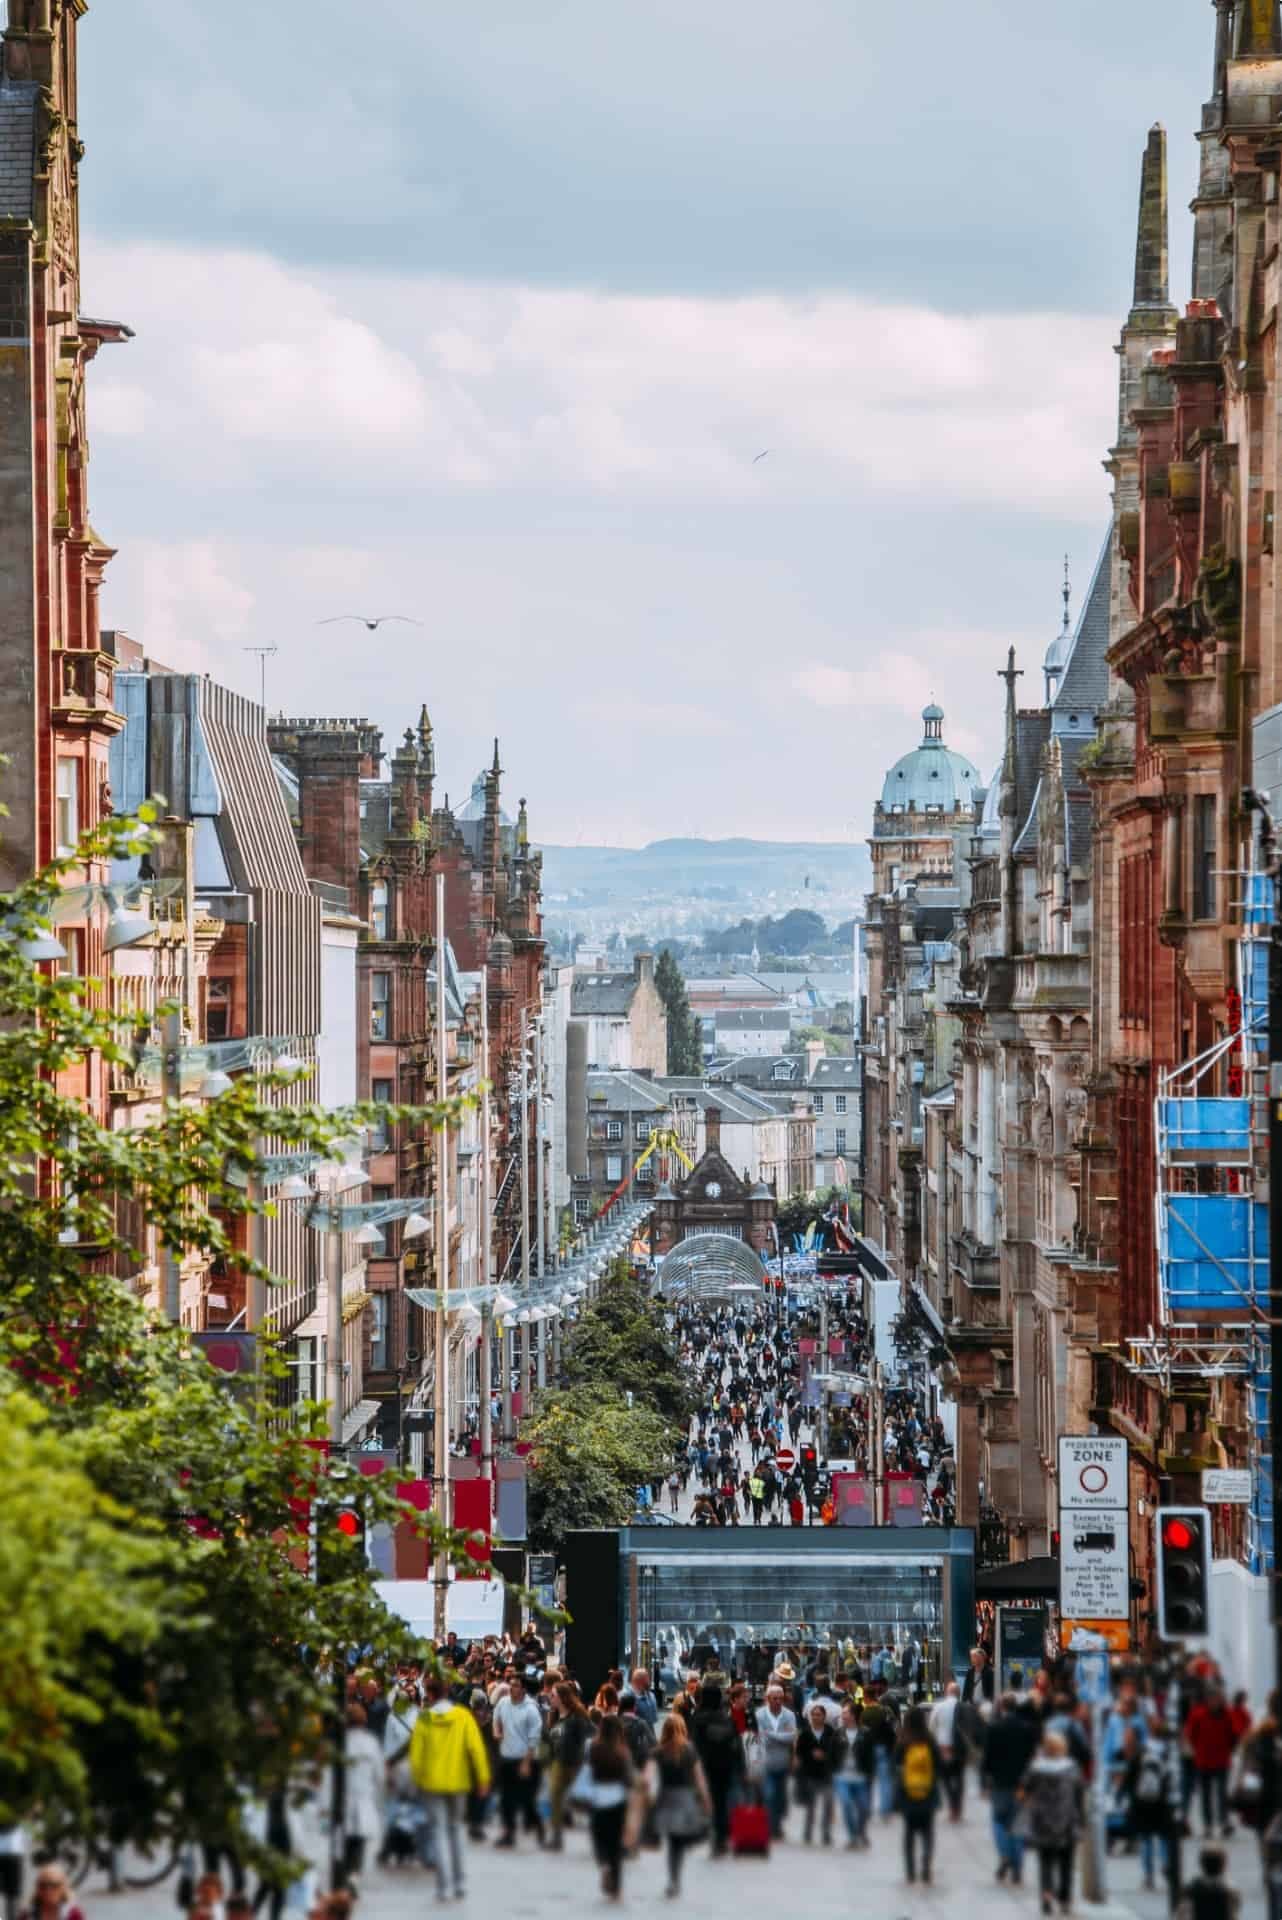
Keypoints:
pixel 1092 1475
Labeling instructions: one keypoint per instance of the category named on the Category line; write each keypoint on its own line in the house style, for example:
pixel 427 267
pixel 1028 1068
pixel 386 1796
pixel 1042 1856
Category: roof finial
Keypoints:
pixel 1223 46
pixel 1152 252
pixel 1068 595
pixel 1259 30
pixel 496 769
pixel 522 826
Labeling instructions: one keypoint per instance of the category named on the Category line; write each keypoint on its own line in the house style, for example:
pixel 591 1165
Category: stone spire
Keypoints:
pixel 1259 30
pixel 1223 46
pixel 523 828
pixel 426 745
pixel 1010 673
pixel 1008 810
pixel 1152 259
pixel 1213 206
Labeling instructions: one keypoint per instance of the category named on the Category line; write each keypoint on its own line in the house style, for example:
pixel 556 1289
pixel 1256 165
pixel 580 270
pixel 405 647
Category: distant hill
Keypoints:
pixel 723 872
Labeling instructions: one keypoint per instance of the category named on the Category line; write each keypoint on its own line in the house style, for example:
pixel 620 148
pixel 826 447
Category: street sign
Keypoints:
pixel 1094 1529
pixel 1226 1486
pixel 1020 1646
pixel 785 1460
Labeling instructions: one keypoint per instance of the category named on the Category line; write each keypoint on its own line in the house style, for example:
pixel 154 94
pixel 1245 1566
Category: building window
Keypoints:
pixel 380 1136
pixel 819 1103
pixel 378 909
pixel 14 324
pixel 841 1103
pixel 380 1007
pixel 614 1168
pixel 645 1174
pixel 379 1344
pixel 68 804
pixel 1204 890
pixel 841 1139
pixel 218 1010
pixel 582 1206
pixel 73 944
pixel 614 1129
pixel 642 1129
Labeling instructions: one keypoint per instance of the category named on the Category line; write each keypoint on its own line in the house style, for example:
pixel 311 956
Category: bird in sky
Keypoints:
pixel 761 455
pixel 378 620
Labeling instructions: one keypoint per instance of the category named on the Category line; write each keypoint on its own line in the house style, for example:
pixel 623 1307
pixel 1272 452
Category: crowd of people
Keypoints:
pixel 755 1398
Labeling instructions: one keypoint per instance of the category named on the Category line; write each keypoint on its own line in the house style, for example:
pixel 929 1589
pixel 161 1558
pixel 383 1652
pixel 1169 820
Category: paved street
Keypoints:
pixel 536 1886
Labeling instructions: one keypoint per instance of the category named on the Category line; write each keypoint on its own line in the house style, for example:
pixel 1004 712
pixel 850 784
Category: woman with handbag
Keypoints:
pixel 568 1738
pixel 610 1768
pixel 682 1803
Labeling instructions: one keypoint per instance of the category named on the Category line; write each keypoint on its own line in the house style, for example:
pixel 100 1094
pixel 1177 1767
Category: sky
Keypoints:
pixel 482 316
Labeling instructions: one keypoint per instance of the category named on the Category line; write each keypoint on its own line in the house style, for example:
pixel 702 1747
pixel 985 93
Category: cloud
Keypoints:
pixel 440 385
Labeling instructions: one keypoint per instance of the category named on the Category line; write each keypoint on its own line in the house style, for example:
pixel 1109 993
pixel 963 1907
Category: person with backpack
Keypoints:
pixel 1051 1799
pixel 917 1777
pixel 1208 1896
pixel 1150 1793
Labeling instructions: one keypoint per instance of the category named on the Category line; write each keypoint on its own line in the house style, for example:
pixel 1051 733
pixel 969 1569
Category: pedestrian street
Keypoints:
pixel 533 1885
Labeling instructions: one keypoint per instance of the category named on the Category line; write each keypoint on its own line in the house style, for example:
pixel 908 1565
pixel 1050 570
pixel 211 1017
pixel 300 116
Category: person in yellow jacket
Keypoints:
pixel 448 1761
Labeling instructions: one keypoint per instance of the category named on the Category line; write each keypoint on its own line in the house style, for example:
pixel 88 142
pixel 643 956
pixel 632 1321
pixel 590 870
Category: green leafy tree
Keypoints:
pixel 154 1581
pixel 590 1451
pixel 685 1043
pixel 620 1342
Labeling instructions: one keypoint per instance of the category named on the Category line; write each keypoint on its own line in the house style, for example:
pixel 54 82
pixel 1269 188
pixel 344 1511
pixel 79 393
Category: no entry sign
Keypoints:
pixel 785 1459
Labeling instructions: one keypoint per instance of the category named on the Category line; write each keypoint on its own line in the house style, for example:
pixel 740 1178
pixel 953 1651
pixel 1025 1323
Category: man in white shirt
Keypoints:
pixel 518 1728
pixel 947 1736
pixel 777 1732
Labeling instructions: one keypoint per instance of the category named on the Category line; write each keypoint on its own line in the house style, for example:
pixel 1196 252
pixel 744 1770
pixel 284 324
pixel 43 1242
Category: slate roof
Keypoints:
pixel 602 993
pixel 618 1092
pixel 17 148
pixel 835 1070
pixel 1083 685
pixel 1077 806
pixel 752 1020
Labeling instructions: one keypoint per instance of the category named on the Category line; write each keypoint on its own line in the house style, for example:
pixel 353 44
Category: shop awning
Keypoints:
pixel 870 1260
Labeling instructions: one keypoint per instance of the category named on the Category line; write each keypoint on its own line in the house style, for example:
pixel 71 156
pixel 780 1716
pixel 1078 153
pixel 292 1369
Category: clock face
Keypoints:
pixel 713 1189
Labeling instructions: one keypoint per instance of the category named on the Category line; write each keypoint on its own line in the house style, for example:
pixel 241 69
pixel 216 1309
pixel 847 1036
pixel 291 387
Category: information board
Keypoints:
pixel 1094 1530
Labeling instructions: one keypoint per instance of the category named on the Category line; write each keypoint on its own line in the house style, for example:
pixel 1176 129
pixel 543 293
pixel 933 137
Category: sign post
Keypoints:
pixel 1095 1589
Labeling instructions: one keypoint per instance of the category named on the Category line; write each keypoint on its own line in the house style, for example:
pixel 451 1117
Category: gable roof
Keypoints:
pixel 752 1019
pixel 602 993
pixel 1083 685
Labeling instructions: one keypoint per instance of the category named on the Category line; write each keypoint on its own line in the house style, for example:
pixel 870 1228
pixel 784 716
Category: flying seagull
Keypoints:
pixel 761 455
pixel 377 621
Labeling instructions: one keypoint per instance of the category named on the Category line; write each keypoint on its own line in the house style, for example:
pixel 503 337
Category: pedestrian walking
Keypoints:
pixel 947 1735
pixel 366 1775
pixel 1051 1796
pixel 1150 1793
pixel 681 1796
pixel 1211 1735
pixel 818 1756
pixel 1208 1896
pixel 518 1727
pixel 13 1852
pixel 610 1767
pixel 720 1751
pixel 777 1732
pixel 1009 1743
pixel 448 1761
pixel 852 1782
pixel 917 1775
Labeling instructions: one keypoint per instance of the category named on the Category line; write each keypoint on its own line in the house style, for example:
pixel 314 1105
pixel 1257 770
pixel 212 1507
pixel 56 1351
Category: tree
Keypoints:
pixel 166 1629
pixel 620 1341
pixel 590 1451
pixel 798 931
pixel 685 1042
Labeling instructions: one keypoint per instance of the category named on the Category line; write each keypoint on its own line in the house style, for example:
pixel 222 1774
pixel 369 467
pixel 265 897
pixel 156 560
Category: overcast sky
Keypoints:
pixel 480 314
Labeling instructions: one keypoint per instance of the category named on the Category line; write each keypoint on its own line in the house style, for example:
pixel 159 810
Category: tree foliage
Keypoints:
pixel 591 1448
pixel 685 1040
pixel 154 1585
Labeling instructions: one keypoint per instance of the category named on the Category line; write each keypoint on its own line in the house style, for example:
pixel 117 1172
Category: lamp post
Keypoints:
pixel 524 1336
pixel 486 1228
pixel 441 1425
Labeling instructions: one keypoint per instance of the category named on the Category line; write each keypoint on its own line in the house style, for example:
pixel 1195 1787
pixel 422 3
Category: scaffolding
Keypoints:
pixel 1211 1120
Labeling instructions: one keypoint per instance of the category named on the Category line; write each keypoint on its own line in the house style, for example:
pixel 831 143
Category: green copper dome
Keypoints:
pixel 932 778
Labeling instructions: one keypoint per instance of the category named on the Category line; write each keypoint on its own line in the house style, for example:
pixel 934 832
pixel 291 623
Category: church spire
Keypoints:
pixel 1223 47
pixel 1152 262
pixel 1010 674
pixel 1259 30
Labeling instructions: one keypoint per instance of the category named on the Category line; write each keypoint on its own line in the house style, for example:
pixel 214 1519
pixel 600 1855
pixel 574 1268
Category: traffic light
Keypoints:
pixel 339 1542
pixel 1183 1573
pixel 809 1463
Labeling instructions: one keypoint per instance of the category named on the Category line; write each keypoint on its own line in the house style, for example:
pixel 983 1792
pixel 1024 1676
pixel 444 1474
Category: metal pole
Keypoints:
pixel 540 1252
pixel 256 1288
pixel 525 1204
pixel 1275 1234
pixel 486 1229
pixel 334 1321
pixel 878 1413
pixel 171 1087
pixel 823 1362
pixel 441 1385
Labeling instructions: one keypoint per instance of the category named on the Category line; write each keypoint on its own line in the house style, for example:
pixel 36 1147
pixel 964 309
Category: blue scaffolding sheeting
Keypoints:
pixel 1212 1231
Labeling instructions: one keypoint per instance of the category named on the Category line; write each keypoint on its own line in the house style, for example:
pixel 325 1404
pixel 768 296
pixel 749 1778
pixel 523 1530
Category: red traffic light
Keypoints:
pixel 1178 1535
pixel 348 1522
